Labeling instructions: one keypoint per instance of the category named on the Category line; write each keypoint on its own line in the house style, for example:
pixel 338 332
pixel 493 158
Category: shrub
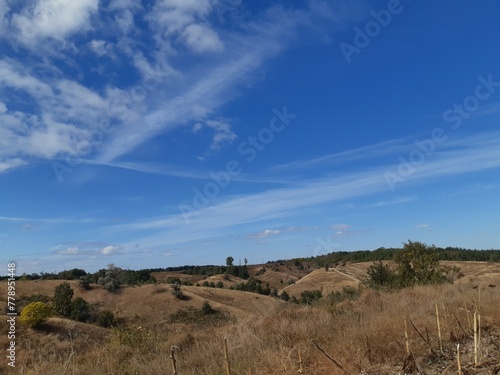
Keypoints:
pixel 63 294
pixel 112 278
pixel 84 282
pixel 416 264
pixel 220 284
pixel 80 310
pixel 35 314
pixel 106 319
pixel 206 309
pixel 285 296
pixel 309 296
pixel 380 276
pixel 173 280
pixel 176 291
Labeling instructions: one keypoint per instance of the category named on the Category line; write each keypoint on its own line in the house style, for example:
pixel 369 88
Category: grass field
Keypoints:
pixel 264 335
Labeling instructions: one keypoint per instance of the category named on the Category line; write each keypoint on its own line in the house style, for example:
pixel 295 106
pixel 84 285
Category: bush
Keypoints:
pixel 416 264
pixel 80 310
pixel 309 296
pixel 35 314
pixel 106 319
pixel 285 296
pixel 206 309
pixel 173 280
pixel 63 294
pixel 176 291
pixel 112 278
pixel 380 276
pixel 84 282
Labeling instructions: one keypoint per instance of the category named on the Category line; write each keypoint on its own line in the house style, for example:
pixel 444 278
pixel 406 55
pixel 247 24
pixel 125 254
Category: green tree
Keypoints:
pixel 380 276
pixel 229 261
pixel 63 294
pixel 35 314
pixel 417 264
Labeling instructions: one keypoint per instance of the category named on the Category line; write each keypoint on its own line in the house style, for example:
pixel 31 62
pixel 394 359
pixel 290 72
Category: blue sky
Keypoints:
pixel 171 132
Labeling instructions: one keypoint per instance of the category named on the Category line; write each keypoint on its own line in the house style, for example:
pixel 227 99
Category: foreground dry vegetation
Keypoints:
pixel 266 335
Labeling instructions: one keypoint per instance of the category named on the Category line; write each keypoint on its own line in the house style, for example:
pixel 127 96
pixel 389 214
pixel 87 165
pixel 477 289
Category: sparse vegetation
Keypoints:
pixel 206 316
pixel 416 264
pixel 361 328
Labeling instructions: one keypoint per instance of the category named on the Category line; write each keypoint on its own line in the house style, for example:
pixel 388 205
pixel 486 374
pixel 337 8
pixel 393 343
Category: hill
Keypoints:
pixel 265 334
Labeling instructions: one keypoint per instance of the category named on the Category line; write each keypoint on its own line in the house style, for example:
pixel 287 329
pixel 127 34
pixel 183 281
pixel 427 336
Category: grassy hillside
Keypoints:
pixel 264 334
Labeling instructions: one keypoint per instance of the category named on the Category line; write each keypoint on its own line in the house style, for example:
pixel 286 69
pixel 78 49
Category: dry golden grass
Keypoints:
pixel 326 281
pixel 365 336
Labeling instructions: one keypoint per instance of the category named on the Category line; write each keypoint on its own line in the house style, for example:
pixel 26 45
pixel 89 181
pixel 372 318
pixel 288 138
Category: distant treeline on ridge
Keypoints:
pixel 133 277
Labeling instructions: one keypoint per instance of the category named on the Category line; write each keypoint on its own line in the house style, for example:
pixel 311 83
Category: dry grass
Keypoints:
pixel 326 281
pixel 365 336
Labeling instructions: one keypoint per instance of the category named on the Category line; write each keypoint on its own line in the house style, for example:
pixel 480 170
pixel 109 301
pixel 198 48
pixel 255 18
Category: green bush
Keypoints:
pixel 206 309
pixel 176 291
pixel 35 314
pixel 80 310
pixel 63 294
pixel 106 319
pixel 309 296
pixel 416 264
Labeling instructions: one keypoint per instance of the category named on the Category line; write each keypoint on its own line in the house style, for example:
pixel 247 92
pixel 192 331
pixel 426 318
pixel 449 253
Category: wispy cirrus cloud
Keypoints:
pixel 264 233
pixel 464 157
pixel 165 93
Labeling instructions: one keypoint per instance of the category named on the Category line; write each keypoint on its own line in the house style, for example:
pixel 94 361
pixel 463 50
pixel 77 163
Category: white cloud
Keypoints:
pixel 222 129
pixel 69 251
pixel 110 250
pixel 54 19
pixel 264 233
pixel 202 39
pixel 100 47
pixel 14 163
